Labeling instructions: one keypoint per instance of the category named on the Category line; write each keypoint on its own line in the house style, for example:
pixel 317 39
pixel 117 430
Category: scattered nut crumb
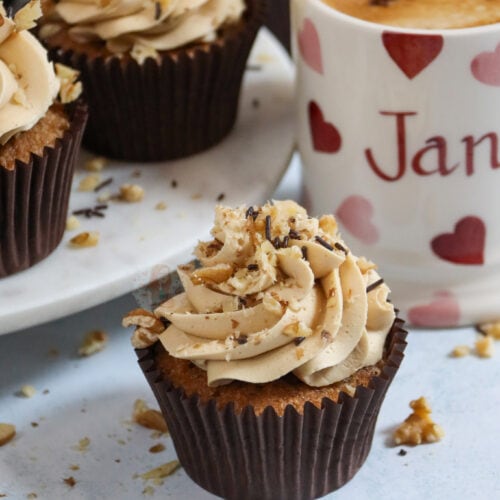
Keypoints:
pixel 72 223
pixel 26 17
pixel 70 89
pixel 196 196
pixel 485 347
pixel 131 193
pixel 74 467
pixel 418 428
pixel 83 445
pixel 148 491
pixel 84 240
pixel 27 391
pixel 460 351
pixel 96 164
pixel 89 182
pixel 70 481
pixel 7 433
pixel 161 205
pixel 104 197
pixel 158 474
pixel 147 417
pixel 157 448
pixel 93 342
pixel 31 496
pixel 490 329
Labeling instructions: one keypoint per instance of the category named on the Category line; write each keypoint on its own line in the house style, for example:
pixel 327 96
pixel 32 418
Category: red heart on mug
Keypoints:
pixel 465 245
pixel 412 53
pixel 325 137
pixel 356 213
pixel 310 46
pixel 486 67
pixel 441 312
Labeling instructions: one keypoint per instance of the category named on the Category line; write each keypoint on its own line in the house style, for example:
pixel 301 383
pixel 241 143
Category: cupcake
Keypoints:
pixel 271 366
pixel 40 135
pixel 162 78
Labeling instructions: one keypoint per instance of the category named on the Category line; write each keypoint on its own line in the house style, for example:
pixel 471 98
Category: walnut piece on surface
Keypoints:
pixel 27 391
pixel 148 327
pixel 85 239
pixel 490 329
pixel 485 347
pixel 7 433
pixel 72 223
pixel 89 182
pixel 147 417
pixel 419 427
pixel 158 474
pixel 96 164
pixel 131 193
pixel 93 342
pixel 460 351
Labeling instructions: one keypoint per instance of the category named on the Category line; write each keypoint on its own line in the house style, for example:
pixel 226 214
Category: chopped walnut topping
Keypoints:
pixel 485 347
pixel 96 164
pixel 158 474
pixel 418 428
pixel 141 52
pixel 72 223
pixel 215 274
pixel 297 329
pixel 7 433
pixel 104 197
pixel 87 239
pixel 89 183
pixel 131 193
pixel 27 391
pixel 93 342
pixel 83 445
pixel 70 481
pixel 25 18
pixel 460 351
pixel 147 417
pixel 161 205
pixel 143 338
pixel 490 329
pixel 157 448
pixel 70 89
pixel 145 319
pixel 366 265
pixel 74 467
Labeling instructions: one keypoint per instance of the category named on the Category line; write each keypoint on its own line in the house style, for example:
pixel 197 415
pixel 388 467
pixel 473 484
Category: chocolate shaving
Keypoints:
pixel 323 243
pixel 338 246
pixel 268 227
pixel 304 253
pixel 374 285
pixel 103 184
pixel 299 340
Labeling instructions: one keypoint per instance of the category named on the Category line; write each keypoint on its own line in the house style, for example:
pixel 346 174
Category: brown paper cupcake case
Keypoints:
pixel 34 199
pixel 170 109
pixel 267 457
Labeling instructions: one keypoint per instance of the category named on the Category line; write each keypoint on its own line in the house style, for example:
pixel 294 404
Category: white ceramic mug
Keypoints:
pixel 398 130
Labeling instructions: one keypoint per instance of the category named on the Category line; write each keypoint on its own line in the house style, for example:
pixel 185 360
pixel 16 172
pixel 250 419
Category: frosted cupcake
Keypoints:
pixel 271 366
pixel 40 135
pixel 162 78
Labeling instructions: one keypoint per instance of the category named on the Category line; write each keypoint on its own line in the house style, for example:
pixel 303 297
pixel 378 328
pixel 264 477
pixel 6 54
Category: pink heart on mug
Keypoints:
pixel 325 137
pixel 486 67
pixel 465 245
pixel 310 46
pixel 356 213
pixel 442 311
pixel 412 53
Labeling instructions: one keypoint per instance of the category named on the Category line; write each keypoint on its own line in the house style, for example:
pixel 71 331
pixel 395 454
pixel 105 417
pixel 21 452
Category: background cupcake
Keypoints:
pixel 40 135
pixel 162 78
pixel 276 357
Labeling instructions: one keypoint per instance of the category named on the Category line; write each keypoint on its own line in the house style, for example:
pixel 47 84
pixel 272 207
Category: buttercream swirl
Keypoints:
pixel 147 24
pixel 28 83
pixel 277 292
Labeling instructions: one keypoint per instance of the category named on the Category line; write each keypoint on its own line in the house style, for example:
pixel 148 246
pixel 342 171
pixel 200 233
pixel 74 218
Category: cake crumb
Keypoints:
pixel 490 329
pixel 27 391
pixel 72 223
pixel 89 182
pixel 7 433
pixel 93 342
pixel 157 448
pixel 148 491
pixel 131 193
pixel 158 474
pixel 85 240
pixel 485 347
pixel 83 445
pixel 147 417
pixel 460 351
pixel 96 164
pixel 161 205
pixel 418 428
pixel 70 481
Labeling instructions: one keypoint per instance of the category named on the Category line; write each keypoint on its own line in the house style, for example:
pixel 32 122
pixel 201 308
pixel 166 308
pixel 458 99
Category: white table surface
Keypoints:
pixel 93 397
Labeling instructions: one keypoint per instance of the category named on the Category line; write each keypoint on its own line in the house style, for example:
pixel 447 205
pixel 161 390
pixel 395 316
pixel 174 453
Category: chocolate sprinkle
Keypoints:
pixel 221 197
pixel 91 212
pixel 174 183
pixel 299 340
pixel 374 285
pixel 294 234
pixel 323 243
pixel 285 242
pixel 157 10
pixel 338 246
pixel 304 253
pixel 277 243
pixel 103 184
pixel 268 227
pixel 242 339
pixel 402 452
pixel 253 267
pixel 249 212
